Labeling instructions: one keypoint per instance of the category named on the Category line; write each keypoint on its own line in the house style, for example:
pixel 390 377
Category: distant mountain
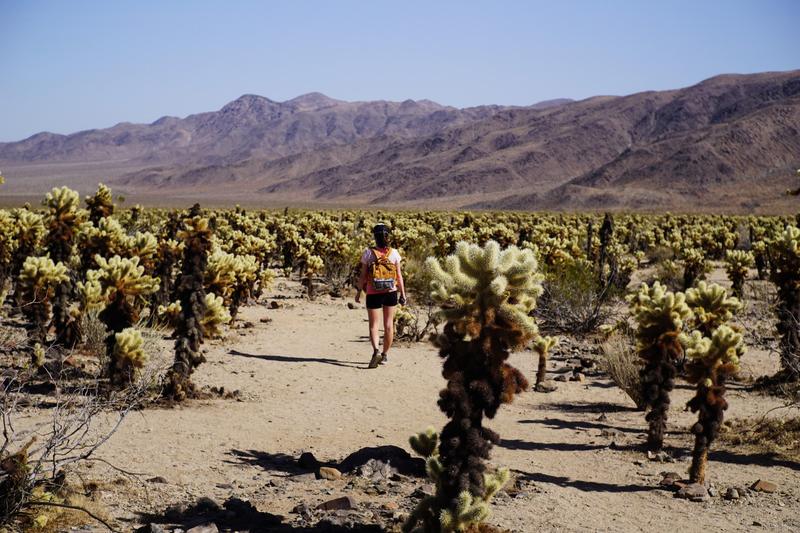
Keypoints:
pixel 728 143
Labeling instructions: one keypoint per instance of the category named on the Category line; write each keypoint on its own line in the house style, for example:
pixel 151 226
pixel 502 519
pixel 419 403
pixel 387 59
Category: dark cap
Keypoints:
pixel 380 228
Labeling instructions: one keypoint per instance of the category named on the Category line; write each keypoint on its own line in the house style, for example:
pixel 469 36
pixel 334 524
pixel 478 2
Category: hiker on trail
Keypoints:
pixel 382 279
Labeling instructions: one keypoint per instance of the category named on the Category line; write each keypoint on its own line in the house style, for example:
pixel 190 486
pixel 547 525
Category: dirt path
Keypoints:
pixel 305 388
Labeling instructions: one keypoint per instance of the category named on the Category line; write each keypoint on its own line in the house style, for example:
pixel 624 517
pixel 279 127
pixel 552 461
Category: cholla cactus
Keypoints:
pixel 36 286
pixel 660 316
pixel 470 510
pixel 784 254
pixel 63 223
pixel 30 229
pixel 101 205
pixel 711 307
pixel 711 362
pixel 694 267
pixel 737 262
pixel 191 294
pixel 486 296
pixel 129 356
pixel 124 286
pixel 542 346
pixel 216 315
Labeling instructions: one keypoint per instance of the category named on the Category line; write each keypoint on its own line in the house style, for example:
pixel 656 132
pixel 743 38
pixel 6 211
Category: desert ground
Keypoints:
pixel 301 385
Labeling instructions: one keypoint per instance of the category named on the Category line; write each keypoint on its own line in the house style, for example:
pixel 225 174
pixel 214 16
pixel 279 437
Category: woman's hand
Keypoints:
pixel 402 299
pixel 358 296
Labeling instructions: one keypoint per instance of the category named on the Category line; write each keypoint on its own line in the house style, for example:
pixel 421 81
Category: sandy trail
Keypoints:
pixel 305 387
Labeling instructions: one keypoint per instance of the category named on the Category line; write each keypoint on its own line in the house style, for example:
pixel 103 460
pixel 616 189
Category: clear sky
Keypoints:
pixel 72 65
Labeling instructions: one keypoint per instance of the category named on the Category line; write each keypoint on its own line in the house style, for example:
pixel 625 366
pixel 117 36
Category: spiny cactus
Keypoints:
pixel 63 223
pixel 101 205
pixel 660 316
pixel 486 296
pixel 124 286
pixel 694 267
pixel 191 294
pixel 129 355
pixel 36 288
pixel 29 232
pixel 469 512
pixel 784 255
pixel 216 315
pixel 737 263
pixel 711 362
pixel 542 346
pixel 711 307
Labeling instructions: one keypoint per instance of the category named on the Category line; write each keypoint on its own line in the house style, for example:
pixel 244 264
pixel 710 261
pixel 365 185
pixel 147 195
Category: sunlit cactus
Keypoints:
pixel 216 315
pixel 191 294
pixel 124 286
pixel 36 287
pixel 737 263
pixel 711 362
pixel 694 267
pixel 542 346
pixel 129 355
pixel 660 316
pixel 63 223
pixel 101 204
pixel 469 512
pixel 784 254
pixel 485 296
pixel 29 230
pixel 711 307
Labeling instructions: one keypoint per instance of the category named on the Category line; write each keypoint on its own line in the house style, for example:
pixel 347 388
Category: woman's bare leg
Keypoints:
pixel 374 328
pixel 388 327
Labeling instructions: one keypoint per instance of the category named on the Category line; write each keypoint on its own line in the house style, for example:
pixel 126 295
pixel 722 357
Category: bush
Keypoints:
pixel 622 363
pixel 573 300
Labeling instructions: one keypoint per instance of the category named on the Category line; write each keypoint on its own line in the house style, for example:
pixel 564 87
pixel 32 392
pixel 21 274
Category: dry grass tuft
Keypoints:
pixel 777 435
pixel 620 361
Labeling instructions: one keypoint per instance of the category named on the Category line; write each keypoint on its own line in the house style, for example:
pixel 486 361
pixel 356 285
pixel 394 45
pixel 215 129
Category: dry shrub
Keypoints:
pixel 621 362
pixel 778 435
pixel 573 301
pixel 94 333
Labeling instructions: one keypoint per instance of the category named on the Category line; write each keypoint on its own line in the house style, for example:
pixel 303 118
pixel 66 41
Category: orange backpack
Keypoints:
pixel 383 272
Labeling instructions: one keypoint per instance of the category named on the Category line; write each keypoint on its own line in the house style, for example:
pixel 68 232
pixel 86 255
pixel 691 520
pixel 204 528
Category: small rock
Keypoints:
pixel 351 305
pixel 157 479
pixel 344 503
pixel 329 473
pixel 712 491
pixel 694 492
pixel 302 509
pixel 265 320
pixel 561 377
pixel 661 457
pixel 578 376
pixel 763 485
pixel 610 432
pixel 587 363
pixel 308 461
pixel 224 486
pixel 546 386
pixel 151 528
pixel 669 478
pixel 247 325
pixel 274 305
pixel 757 523
pixel 602 418
pixel 210 527
pixel 732 494
pixel 391 506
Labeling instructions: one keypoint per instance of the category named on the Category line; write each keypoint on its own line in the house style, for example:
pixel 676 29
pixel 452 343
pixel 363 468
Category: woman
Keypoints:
pixel 382 279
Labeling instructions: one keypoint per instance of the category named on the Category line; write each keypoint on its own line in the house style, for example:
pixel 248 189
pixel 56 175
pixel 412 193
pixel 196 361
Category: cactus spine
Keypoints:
pixel 486 296
pixel 660 315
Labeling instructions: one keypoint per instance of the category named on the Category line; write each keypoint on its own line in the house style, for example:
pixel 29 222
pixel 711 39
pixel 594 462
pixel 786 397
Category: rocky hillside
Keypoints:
pixel 730 142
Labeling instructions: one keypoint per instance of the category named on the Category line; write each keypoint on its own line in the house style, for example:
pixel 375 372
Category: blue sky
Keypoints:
pixel 72 65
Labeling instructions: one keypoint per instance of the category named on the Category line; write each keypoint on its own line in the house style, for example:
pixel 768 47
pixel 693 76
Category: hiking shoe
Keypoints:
pixel 384 358
pixel 375 361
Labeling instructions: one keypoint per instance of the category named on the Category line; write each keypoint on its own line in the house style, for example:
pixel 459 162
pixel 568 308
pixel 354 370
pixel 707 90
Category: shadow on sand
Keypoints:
pixel 296 359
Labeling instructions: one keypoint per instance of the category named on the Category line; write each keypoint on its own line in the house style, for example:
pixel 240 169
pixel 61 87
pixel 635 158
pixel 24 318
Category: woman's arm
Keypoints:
pixel 362 282
pixel 400 284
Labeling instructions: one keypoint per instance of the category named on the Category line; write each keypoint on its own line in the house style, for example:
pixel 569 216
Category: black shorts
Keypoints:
pixel 383 299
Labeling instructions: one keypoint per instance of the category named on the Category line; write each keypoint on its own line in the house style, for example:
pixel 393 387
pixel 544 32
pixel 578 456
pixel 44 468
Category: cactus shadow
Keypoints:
pixel 759 459
pixel 557 423
pixel 272 462
pixel 297 359
pixel 584 486
pixel 516 444
pixel 589 407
